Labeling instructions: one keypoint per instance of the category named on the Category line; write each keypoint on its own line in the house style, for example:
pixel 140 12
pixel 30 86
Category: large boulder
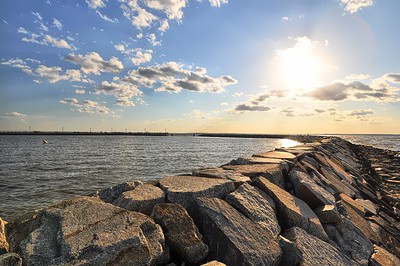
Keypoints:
pixel 217 172
pixel 350 240
pixel 310 192
pixel 292 211
pixel 181 234
pixel 249 201
pixel 10 259
pixel 301 248
pixel 110 194
pixel 382 257
pixel 328 214
pixel 356 213
pixel 141 199
pixel 4 248
pixel 272 172
pixel 278 155
pixel 184 190
pixel 232 238
pixel 85 230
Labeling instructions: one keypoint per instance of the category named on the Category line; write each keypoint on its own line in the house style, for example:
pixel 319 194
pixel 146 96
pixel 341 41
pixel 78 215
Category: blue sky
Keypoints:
pixel 259 66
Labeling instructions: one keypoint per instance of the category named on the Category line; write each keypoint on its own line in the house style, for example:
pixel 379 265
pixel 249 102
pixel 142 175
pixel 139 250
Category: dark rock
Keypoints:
pixel 141 199
pixel 231 175
pixel 232 238
pixel 110 194
pixel 301 248
pixel 350 240
pixel 181 234
pixel 272 172
pixel 382 257
pixel 292 211
pixel 328 214
pixel 311 193
pixel 254 206
pixel 10 259
pixel 184 190
pixel 4 248
pixel 85 230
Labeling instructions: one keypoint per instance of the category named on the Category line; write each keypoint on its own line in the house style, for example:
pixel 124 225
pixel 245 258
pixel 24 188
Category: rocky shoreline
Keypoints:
pixel 326 202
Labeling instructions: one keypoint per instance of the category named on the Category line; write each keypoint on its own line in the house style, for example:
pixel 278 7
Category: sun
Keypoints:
pixel 299 66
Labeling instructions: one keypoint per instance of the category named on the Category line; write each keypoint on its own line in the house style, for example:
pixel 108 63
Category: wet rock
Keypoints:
pixel 221 173
pixel 85 230
pixel 311 193
pixel 141 199
pixel 4 248
pixel 278 155
pixel 181 234
pixel 301 248
pixel 254 206
pixel 184 190
pixel 328 214
pixel 382 257
pixel 272 172
pixel 350 240
pixel 292 211
pixel 10 259
pixel 232 238
pixel 110 194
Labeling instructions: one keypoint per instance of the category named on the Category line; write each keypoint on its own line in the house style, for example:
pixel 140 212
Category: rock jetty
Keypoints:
pixel 326 202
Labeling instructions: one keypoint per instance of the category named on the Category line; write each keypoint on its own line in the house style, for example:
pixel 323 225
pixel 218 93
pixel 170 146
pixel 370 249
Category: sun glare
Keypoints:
pixel 300 67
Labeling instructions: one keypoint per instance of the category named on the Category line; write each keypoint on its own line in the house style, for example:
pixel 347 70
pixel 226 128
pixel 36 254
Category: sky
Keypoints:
pixel 231 66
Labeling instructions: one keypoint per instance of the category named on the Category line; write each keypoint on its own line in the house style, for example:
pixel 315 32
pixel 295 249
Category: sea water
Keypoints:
pixel 34 175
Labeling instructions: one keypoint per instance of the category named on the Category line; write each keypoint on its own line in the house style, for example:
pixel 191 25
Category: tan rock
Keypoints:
pixel 328 214
pixel 221 173
pixel 181 234
pixel 272 172
pixel 184 190
pixel 4 248
pixel 141 199
pixel 382 257
pixel 232 238
pixel 278 155
pixel 214 263
pixel 255 207
pixel 292 211
pixel 301 248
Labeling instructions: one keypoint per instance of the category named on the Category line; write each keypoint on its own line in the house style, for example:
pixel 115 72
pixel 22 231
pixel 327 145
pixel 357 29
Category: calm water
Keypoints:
pixel 34 175
pixel 390 142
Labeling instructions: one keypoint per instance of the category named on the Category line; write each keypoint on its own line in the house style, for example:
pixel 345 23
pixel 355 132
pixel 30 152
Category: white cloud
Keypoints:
pixel 172 8
pixel 80 91
pixel 57 24
pixel 60 43
pixel 95 64
pixel 285 18
pixel 43 27
pixel 153 39
pixel 123 91
pixel 358 76
pixel 392 77
pixel 16 114
pixel 174 77
pixel 354 6
pixel 95 4
pixel 164 26
pixel 18 63
pixel 45 39
pixel 257 103
pixel 197 114
pixel 55 74
pixel 217 3
pixel 37 15
pixel 139 17
pixel 87 106
pixel 141 57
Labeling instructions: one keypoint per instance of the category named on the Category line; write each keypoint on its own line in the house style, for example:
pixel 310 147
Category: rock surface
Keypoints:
pixel 141 199
pixel 110 194
pixel 4 248
pixel 10 259
pixel 184 190
pixel 234 176
pixel 292 211
pixel 328 214
pixel 301 248
pixel 85 230
pixel 181 234
pixel 232 238
pixel 254 206
pixel 382 257
pixel 278 155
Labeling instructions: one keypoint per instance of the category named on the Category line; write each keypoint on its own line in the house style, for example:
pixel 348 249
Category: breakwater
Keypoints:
pixel 328 202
